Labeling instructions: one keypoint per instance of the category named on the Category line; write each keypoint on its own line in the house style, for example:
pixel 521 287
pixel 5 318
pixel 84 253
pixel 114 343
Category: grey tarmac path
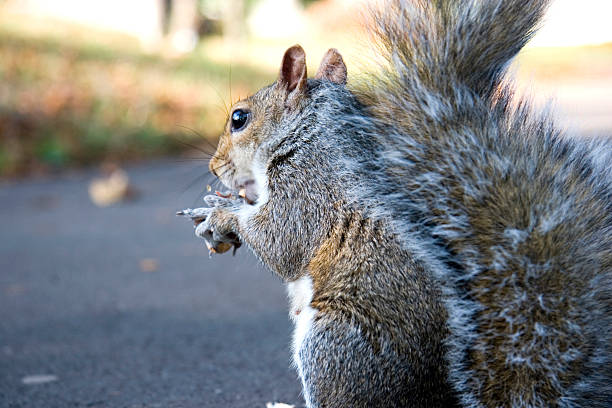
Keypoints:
pixel 85 323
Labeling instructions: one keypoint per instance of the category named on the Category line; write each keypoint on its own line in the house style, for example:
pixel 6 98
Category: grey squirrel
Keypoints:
pixel 443 243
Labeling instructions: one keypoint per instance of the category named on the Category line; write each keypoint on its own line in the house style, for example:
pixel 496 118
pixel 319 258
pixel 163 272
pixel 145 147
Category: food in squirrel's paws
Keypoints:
pixel 220 248
pixel 198 215
pixel 227 194
pixel 230 195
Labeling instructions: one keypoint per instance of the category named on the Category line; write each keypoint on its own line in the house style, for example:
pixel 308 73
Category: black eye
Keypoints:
pixel 239 119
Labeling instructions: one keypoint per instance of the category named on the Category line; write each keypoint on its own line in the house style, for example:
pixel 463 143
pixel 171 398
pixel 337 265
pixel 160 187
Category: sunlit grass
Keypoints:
pixel 75 100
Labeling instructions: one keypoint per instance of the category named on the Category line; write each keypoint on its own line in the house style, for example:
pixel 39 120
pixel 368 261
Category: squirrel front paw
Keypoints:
pixel 218 231
pixel 217 225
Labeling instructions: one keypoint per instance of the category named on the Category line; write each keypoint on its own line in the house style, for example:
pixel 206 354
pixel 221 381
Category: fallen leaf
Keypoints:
pixel 149 265
pixel 110 190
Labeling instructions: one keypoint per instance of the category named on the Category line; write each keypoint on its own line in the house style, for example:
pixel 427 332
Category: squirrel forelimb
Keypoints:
pixel 216 224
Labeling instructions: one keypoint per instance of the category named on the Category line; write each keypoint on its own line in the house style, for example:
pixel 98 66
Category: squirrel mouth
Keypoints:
pixel 246 191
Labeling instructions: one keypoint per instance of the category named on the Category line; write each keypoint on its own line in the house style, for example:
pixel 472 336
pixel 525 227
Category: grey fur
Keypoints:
pixel 459 243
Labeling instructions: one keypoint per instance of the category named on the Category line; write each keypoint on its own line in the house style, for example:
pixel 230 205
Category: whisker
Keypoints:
pixel 196 181
pixel 230 84
pixel 224 172
pixel 192 159
pixel 204 139
pixel 219 166
pixel 223 110
pixel 208 154
pixel 203 192
pixel 223 102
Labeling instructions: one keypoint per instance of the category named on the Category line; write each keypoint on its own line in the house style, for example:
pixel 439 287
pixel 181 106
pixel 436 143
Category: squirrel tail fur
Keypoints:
pixel 442 43
pixel 513 217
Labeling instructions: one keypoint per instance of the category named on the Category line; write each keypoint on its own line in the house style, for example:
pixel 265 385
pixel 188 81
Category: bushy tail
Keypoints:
pixel 444 42
pixel 465 167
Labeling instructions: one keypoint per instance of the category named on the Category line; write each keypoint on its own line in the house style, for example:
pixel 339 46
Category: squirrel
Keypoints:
pixel 444 244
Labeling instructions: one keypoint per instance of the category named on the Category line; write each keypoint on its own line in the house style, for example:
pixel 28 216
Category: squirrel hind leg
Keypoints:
pixel 363 377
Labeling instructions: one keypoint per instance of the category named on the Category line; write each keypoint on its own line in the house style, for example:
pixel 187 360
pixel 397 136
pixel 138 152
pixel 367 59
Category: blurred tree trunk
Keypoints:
pixel 234 20
pixel 182 31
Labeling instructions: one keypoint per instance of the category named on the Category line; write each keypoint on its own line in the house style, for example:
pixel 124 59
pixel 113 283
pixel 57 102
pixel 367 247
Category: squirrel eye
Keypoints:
pixel 239 119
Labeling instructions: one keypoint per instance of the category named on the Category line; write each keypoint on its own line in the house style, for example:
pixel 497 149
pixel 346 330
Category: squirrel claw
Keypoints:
pixel 194 213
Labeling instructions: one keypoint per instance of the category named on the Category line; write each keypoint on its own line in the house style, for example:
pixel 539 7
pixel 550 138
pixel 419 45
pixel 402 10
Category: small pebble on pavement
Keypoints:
pixel 38 379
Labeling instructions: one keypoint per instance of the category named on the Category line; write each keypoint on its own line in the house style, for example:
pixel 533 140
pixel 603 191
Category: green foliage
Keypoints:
pixel 52 152
pixel 308 2
pixel 65 102
pixel 4 160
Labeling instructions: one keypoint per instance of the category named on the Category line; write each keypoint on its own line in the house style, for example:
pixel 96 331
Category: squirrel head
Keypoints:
pixel 261 120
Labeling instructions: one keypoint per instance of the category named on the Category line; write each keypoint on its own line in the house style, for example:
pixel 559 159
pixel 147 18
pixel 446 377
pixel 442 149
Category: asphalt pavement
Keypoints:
pixel 122 307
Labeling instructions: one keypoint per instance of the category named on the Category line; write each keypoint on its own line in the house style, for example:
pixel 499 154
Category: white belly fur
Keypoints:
pixel 300 295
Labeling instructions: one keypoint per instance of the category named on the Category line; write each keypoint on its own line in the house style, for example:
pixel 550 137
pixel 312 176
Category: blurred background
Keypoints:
pixel 108 109
pixel 87 82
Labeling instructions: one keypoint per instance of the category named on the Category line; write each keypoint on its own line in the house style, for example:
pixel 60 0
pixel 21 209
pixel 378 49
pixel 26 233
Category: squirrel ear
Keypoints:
pixel 332 67
pixel 293 69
